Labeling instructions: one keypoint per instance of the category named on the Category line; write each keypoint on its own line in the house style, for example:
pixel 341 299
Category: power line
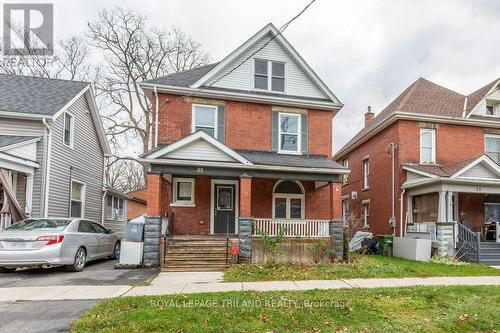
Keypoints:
pixel 280 32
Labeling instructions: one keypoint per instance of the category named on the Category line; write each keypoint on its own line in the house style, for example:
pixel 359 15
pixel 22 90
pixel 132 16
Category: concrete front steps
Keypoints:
pixel 490 253
pixel 195 254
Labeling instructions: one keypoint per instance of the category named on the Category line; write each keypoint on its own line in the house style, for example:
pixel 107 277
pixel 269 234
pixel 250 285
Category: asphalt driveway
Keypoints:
pixel 98 273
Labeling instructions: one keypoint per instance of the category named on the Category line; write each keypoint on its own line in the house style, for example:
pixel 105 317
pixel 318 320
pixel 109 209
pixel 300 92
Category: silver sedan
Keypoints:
pixel 47 242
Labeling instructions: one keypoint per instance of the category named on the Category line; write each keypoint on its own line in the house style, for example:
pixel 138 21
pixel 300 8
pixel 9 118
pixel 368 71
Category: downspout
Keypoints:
pixel 401 213
pixel 392 220
pixel 104 189
pixel 48 135
pixel 156 116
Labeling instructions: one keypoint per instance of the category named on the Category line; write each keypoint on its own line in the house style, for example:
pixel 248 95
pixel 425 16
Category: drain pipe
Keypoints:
pixel 48 136
pixel 401 213
pixel 157 103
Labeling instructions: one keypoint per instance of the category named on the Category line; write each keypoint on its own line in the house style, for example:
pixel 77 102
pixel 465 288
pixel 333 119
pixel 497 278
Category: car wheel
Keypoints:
pixel 7 269
pixel 116 251
pixel 79 261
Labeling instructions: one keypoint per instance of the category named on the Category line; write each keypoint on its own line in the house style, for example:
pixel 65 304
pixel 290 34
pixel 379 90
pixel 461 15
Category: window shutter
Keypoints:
pixel 303 127
pixel 220 123
pixel 275 131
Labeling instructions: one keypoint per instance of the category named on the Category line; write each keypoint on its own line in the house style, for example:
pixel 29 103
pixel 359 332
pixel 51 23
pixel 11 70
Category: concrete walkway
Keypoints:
pixel 197 282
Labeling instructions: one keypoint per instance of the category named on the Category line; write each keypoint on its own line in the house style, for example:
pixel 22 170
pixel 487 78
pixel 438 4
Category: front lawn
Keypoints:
pixel 363 266
pixel 423 309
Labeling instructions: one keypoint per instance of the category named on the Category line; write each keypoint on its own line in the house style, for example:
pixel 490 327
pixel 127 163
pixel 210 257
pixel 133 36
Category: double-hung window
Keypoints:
pixel 183 189
pixel 366 214
pixel 205 118
pixel 345 178
pixel 115 208
pixel 427 145
pixel 269 75
pixel 289 133
pixel 366 173
pixel 492 147
pixel 68 130
pixel 77 199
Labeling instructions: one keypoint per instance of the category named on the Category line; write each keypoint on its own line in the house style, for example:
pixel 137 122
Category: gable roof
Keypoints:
pixel 452 170
pixel 477 96
pixel 36 96
pixel 198 80
pixel 7 141
pixel 424 98
pixel 183 79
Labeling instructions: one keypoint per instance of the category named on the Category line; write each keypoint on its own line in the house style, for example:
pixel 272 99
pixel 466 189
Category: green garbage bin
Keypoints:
pixel 385 245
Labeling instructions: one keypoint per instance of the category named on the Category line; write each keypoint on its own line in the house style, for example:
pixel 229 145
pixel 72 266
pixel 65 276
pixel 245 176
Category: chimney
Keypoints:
pixel 369 115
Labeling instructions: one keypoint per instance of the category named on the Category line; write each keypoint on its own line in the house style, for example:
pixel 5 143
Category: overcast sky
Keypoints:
pixel 367 51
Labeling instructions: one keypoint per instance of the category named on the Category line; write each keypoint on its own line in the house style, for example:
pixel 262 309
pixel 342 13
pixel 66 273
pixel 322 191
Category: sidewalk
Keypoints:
pixel 198 282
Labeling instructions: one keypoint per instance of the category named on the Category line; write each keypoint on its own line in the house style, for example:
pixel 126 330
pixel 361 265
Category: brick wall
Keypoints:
pixel 248 125
pixel 454 143
pixel 135 209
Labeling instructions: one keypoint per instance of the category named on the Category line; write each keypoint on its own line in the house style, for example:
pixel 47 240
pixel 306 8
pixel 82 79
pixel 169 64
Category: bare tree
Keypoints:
pixel 132 53
pixel 125 175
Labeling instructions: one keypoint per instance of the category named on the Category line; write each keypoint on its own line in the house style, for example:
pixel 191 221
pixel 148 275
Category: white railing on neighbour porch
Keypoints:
pixel 429 227
pixel 292 228
pixel 5 220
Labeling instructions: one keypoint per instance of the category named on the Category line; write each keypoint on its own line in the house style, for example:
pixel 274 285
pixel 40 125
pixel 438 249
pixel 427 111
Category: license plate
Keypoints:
pixel 18 245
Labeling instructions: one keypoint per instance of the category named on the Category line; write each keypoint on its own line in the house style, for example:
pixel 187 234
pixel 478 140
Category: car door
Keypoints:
pixel 106 245
pixel 89 239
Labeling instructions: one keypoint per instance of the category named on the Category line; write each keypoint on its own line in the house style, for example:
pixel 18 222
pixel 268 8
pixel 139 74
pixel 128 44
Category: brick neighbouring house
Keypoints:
pixel 446 162
pixel 137 204
pixel 247 137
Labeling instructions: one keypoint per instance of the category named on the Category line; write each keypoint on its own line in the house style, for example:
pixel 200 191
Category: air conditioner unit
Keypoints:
pixel 354 195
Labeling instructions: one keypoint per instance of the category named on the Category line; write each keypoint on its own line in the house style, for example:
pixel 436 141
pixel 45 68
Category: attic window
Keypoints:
pixel 489 110
pixel 269 75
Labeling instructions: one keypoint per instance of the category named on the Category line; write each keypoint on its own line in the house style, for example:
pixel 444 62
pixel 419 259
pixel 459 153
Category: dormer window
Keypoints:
pixel 269 75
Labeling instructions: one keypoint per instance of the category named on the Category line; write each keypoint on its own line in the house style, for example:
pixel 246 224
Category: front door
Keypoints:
pixel 224 209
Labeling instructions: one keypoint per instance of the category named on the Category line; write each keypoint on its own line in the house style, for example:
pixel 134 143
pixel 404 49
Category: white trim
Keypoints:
pixel 94 111
pixel 474 109
pixel 47 160
pixel 71 130
pixel 70 103
pixel 20 162
pixel 193 118
pixel 29 194
pixel 423 173
pixel 240 166
pixel 83 197
pixel 432 132
pixel 287 197
pixel 299 133
pixel 183 203
pixel 284 100
pixel 193 137
pixel 491 136
pixel 20 144
pixel 269 28
pixel 485 159
pixel 366 217
pixel 236 205
pixel 366 174
pixel 412 116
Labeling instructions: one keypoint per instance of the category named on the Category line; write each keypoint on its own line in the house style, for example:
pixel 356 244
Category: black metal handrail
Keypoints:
pixel 469 243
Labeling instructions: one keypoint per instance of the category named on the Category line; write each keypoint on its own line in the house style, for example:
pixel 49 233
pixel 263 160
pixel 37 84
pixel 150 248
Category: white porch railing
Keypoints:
pixel 5 220
pixel 292 228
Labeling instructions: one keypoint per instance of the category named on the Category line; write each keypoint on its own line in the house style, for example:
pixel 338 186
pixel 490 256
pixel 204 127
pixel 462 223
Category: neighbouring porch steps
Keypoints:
pixel 195 253
pixel 490 253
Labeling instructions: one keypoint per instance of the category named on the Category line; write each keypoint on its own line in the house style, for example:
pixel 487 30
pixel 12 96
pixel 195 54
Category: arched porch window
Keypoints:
pixel 288 200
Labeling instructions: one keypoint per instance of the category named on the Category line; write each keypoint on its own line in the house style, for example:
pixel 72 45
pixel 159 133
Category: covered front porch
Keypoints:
pixel 202 187
pixel 462 206
pixel 17 171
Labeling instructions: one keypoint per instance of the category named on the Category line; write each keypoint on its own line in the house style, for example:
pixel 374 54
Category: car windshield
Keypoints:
pixel 39 224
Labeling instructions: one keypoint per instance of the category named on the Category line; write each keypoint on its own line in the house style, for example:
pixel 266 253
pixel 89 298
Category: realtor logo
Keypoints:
pixel 28 29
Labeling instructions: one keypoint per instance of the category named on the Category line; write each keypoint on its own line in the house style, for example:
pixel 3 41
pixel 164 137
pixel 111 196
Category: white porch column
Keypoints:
pixel 449 206
pixel 442 207
pixel 409 208
pixel 29 195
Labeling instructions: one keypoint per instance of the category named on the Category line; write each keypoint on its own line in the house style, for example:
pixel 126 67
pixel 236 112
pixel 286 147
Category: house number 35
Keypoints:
pixel 200 170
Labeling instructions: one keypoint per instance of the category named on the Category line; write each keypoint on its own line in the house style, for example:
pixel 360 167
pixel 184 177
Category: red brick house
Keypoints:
pixel 249 136
pixel 136 205
pixel 446 162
